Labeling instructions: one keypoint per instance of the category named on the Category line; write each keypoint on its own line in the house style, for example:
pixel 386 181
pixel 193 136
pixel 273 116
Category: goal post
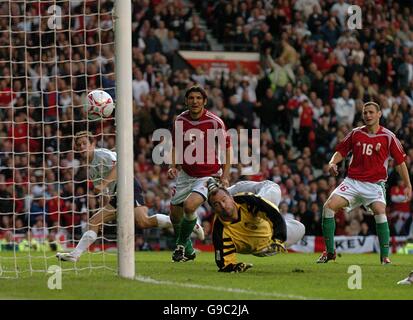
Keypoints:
pixel 124 138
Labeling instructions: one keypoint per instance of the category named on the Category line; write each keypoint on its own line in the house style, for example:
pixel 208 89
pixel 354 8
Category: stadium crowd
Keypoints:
pixel 314 76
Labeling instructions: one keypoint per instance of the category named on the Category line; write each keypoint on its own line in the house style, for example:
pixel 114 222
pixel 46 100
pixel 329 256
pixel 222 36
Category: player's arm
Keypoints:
pixel 332 165
pixel 404 173
pixel 267 210
pixel 107 180
pixel 172 171
pixel 226 167
pixel 399 156
pixel 342 149
pixel 225 252
pixel 228 157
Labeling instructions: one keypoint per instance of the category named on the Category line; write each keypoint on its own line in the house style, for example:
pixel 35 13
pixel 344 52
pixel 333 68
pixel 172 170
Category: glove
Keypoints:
pixel 239 267
pixel 277 246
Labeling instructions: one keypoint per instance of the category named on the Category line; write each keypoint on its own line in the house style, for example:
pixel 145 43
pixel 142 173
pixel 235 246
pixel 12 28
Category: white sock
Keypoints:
pixel 380 218
pixel 87 239
pixel 164 221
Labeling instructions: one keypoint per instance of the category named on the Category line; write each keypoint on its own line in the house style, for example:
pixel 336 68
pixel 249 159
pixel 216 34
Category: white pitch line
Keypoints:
pixel 221 289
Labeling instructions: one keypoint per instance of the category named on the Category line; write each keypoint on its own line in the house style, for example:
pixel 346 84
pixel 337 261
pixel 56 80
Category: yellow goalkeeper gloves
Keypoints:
pixel 239 267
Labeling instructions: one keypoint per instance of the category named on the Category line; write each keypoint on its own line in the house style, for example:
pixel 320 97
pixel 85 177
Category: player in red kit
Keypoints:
pixel 198 155
pixel 371 146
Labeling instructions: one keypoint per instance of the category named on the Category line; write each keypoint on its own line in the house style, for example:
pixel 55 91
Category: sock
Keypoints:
pixel 163 221
pixel 177 230
pixel 383 233
pixel 87 239
pixel 187 226
pixel 328 224
pixel 188 247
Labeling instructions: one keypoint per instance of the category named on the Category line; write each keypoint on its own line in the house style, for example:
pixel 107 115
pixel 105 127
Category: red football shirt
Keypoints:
pixel 371 153
pixel 199 132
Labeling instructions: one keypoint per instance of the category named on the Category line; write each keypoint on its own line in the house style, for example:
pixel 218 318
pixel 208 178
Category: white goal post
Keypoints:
pixel 124 138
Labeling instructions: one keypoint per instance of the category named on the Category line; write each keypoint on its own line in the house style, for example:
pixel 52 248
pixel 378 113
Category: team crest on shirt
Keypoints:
pixel 378 146
pixel 358 144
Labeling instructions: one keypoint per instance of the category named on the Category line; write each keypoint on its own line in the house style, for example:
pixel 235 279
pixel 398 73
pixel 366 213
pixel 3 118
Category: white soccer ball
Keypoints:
pixel 99 105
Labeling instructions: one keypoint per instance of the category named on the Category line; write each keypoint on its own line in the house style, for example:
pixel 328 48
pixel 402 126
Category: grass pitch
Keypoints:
pixel 287 276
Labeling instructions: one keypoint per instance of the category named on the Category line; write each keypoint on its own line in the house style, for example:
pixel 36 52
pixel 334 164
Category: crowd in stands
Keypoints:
pixel 314 76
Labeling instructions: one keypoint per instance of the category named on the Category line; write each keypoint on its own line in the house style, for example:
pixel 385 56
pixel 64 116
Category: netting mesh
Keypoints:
pixel 52 53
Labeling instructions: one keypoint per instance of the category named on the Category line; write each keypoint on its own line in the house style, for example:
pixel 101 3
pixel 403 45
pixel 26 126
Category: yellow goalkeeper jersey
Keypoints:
pixel 259 222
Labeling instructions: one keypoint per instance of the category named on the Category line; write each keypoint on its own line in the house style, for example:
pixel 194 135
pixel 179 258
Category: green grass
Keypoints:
pixel 288 276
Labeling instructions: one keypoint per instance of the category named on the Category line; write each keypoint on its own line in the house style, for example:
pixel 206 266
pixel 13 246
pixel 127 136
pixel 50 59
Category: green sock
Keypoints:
pixel 383 232
pixel 188 245
pixel 186 230
pixel 329 228
pixel 177 230
pixel 189 249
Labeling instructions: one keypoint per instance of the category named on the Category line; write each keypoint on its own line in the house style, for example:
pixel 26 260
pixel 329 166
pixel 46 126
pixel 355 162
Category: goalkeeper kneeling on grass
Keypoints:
pixel 247 221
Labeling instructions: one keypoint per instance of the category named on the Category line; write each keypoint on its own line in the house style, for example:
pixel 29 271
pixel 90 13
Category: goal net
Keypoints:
pixel 52 53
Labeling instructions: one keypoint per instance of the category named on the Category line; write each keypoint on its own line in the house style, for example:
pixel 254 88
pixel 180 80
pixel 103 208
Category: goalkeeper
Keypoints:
pixel 247 221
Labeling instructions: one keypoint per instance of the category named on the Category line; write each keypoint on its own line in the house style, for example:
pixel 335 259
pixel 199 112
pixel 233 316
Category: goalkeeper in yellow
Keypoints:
pixel 247 221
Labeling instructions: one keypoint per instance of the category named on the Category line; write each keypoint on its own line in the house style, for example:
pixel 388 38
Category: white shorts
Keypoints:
pixel 359 193
pixel 186 184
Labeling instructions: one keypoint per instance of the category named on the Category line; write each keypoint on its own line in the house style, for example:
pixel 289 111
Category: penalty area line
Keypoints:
pixel 222 289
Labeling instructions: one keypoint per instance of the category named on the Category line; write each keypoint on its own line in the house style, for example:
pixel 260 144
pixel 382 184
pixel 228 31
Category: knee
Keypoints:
pixel 189 207
pixel 328 211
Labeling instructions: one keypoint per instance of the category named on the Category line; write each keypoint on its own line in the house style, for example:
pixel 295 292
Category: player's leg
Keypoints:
pixel 382 228
pixel 328 223
pixel 107 213
pixel 295 231
pixel 180 193
pixel 142 220
pixel 177 212
pixel 270 191
pixel 374 198
pixel 187 225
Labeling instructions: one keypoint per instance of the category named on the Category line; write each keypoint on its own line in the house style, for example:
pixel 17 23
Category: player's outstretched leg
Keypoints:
pixel 143 221
pixel 89 237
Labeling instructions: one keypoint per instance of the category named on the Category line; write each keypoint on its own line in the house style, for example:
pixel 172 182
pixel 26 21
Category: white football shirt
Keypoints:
pixel 102 163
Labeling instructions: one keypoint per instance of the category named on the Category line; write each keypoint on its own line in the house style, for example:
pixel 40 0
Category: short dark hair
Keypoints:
pixel 372 103
pixel 196 88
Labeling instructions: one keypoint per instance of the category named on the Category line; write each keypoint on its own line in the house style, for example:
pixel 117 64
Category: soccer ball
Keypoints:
pixel 99 105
